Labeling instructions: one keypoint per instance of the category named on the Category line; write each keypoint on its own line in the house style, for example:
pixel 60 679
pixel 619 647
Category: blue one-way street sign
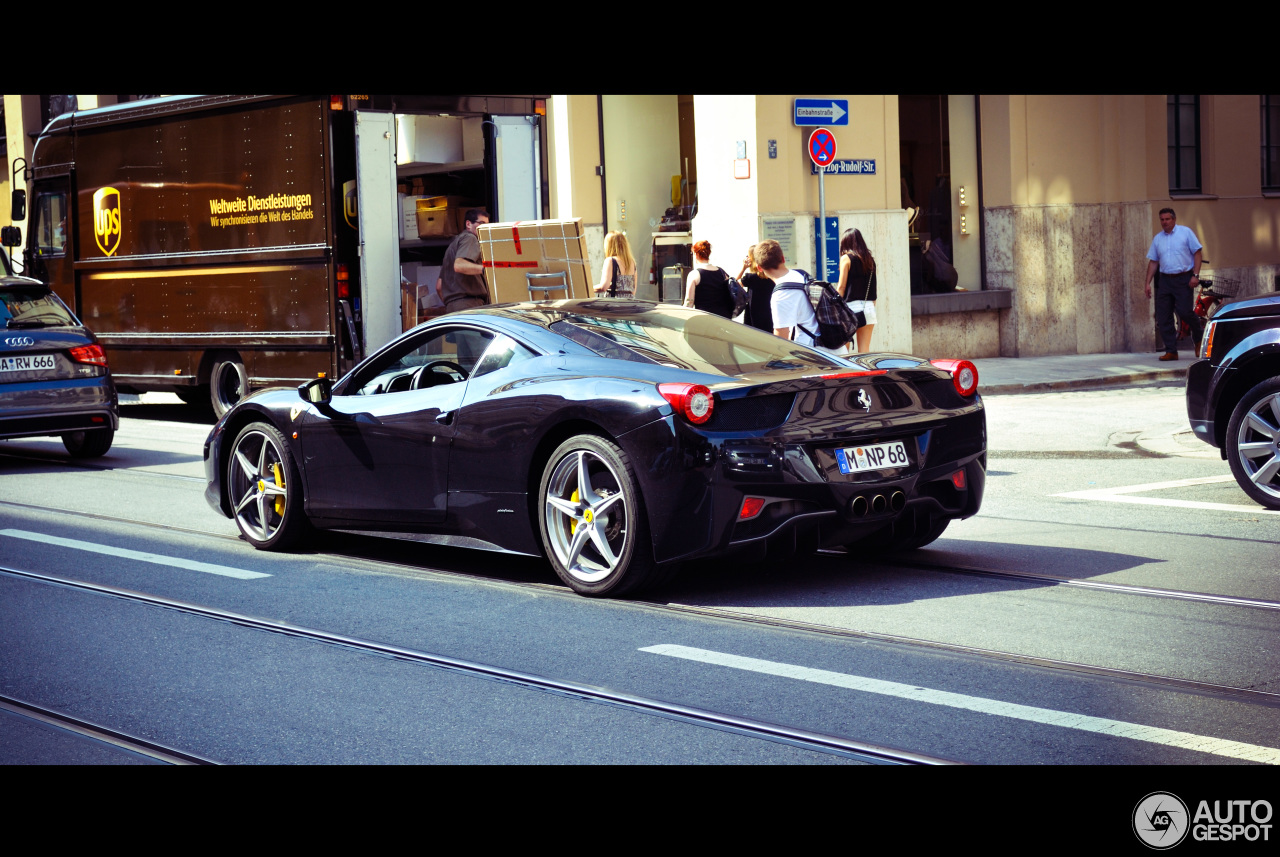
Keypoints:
pixel 821 111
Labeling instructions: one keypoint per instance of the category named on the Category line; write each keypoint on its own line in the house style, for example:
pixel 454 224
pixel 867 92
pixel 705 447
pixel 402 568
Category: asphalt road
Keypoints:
pixel 1116 601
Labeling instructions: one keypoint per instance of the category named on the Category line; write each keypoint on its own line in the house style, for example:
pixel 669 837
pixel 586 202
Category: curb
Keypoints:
pixel 1131 379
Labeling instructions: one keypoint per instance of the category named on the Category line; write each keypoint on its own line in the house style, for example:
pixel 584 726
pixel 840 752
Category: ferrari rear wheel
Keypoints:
pixel 264 487
pixel 591 518
pixel 1253 443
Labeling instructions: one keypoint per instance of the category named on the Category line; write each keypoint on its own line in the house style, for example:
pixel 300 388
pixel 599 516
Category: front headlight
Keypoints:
pixel 1206 342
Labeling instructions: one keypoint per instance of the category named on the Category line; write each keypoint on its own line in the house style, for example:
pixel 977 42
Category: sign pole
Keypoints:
pixel 822 151
pixel 822 222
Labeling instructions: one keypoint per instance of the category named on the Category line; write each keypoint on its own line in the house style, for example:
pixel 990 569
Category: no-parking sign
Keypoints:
pixel 822 147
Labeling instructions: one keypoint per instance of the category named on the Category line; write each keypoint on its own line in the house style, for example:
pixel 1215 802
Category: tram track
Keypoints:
pixel 748 727
pixel 112 737
pixel 384 565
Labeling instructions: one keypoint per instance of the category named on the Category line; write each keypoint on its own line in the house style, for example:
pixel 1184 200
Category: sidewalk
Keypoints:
pixel 1059 373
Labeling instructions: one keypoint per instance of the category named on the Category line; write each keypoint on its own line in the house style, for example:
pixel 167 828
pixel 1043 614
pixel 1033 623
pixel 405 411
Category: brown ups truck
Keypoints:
pixel 219 244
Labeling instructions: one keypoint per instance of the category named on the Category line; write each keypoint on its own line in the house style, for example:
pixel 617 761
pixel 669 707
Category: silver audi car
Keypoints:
pixel 54 378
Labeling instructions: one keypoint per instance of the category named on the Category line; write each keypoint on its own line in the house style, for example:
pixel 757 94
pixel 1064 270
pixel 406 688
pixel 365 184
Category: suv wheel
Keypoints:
pixel 1253 443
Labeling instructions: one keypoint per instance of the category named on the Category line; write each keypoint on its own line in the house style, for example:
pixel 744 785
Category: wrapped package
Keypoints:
pixel 519 257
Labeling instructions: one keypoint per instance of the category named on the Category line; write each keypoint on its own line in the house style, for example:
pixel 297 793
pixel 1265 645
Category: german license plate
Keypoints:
pixel 28 363
pixel 876 456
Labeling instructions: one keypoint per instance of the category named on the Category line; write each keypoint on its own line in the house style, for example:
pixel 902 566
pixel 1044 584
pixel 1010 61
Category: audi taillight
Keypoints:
pixel 694 402
pixel 964 375
pixel 89 354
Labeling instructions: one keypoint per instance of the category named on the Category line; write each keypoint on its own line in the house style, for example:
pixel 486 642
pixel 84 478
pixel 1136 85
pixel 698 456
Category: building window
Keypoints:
pixel 1271 142
pixel 1184 143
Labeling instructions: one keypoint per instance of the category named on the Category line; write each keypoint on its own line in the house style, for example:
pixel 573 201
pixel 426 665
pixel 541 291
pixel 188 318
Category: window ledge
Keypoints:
pixel 1173 194
pixel 986 299
pixel 1271 194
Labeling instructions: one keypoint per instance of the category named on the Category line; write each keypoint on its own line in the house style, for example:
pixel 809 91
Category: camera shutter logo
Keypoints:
pixel 106 219
pixel 1161 821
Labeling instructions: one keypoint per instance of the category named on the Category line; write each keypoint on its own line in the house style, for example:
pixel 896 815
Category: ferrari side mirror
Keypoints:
pixel 317 392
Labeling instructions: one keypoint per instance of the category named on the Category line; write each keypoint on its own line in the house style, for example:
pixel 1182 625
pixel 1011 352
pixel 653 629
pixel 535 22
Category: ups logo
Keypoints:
pixel 106 219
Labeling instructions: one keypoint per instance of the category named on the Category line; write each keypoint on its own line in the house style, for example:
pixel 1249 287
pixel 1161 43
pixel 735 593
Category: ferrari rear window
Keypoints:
pixel 699 341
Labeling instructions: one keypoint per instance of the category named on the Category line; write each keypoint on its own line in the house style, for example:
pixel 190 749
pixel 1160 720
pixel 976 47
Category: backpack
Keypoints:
pixel 837 324
pixel 739 295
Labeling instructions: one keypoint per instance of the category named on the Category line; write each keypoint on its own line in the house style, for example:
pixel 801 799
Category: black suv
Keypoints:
pixel 1233 394
pixel 53 374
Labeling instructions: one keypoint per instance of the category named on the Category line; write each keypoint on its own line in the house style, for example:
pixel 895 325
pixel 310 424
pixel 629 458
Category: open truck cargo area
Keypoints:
pixel 220 244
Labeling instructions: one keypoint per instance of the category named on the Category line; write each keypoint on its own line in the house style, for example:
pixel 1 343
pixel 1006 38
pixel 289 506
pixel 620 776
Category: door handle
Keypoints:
pixel 445 418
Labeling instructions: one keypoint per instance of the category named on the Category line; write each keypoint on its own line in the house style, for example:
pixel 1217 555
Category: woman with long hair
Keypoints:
pixel 759 290
pixel 857 283
pixel 618 275
pixel 708 286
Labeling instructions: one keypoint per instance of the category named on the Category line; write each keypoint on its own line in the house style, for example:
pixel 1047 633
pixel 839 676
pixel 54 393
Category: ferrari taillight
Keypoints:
pixel 964 375
pixel 89 354
pixel 694 402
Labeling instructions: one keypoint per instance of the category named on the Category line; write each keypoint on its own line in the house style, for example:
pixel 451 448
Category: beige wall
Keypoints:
pixel 642 153
pixel 727 206
pixel 1072 190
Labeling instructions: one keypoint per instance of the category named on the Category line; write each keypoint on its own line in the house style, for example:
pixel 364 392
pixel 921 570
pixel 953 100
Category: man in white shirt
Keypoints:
pixel 1176 253
pixel 791 309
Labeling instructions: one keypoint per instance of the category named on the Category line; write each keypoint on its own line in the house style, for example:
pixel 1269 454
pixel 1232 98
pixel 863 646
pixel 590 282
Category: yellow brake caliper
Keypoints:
pixel 573 525
pixel 275 468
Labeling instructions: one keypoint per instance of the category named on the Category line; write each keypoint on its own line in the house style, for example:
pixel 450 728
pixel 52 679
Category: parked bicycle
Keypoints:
pixel 1214 292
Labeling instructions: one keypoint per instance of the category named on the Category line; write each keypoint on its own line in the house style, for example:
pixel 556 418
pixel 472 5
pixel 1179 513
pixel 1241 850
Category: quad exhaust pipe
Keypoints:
pixel 877 504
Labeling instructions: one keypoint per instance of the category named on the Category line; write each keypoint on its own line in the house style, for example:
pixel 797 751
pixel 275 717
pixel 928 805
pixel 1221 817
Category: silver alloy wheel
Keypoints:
pixel 586 516
pixel 256 485
pixel 1258 445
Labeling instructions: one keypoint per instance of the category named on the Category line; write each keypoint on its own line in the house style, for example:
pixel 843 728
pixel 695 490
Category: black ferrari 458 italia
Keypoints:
pixel 616 438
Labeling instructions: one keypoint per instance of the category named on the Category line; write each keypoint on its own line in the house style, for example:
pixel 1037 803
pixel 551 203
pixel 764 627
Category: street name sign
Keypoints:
pixel 821 111
pixel 847 167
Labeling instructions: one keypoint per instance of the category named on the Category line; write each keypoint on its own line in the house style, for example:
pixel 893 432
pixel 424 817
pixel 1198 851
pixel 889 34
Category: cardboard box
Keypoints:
pixel 441 215
pixel 409 216
pixel 513 251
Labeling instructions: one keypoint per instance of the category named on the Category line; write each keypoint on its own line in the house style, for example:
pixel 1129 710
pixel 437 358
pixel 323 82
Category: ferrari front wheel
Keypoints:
pixel 264 487
pixel 591 518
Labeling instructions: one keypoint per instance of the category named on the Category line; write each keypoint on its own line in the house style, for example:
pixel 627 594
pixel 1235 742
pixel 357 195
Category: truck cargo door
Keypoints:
pixel 517 168
pixel 379 232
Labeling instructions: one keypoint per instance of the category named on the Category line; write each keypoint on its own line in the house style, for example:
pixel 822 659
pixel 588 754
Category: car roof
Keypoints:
pixel 547 313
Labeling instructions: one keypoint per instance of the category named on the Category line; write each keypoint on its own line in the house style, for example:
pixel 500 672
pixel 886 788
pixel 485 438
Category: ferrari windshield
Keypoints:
pixel 690 340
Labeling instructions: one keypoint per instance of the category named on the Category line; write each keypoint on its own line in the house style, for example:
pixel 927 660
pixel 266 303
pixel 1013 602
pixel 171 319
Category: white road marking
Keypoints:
pixel 1121 495
pixel 158 559
pixel 1032 714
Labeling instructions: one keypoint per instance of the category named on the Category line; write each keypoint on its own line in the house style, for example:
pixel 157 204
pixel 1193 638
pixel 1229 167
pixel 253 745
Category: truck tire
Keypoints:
pixel 228 384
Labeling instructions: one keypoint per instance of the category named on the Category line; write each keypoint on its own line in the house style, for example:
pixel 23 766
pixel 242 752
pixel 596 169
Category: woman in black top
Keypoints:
pixel 858 282
pixel 759 290
pixel 708 286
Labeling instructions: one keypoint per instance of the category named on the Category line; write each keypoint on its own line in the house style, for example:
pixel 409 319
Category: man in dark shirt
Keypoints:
pixel 461 272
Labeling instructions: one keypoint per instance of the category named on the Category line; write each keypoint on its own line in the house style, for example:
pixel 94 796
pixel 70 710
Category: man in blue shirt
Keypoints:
pixel 1175 253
